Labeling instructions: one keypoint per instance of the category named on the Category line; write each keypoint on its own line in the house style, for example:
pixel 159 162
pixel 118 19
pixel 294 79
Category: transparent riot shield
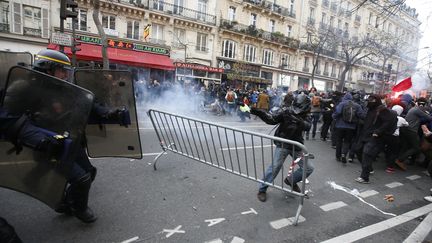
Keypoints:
pixel 112 129
pixel 55 107
pixel 10 59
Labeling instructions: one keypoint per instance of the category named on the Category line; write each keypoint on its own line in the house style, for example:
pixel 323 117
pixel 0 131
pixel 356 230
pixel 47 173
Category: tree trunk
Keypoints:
pixel 104 41
pixel 342 79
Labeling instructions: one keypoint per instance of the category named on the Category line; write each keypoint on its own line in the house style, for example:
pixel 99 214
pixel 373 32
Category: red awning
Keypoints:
pixel 136 58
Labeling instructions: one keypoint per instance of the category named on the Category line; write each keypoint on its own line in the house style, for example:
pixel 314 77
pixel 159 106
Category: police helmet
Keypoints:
pixel 48 60
pixel 301 104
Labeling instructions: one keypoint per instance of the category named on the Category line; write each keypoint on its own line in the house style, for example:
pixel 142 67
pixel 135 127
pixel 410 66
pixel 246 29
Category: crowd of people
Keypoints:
pixel 360 126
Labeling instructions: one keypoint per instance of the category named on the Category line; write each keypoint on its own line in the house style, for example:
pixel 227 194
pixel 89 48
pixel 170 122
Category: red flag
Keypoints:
pixel 403 85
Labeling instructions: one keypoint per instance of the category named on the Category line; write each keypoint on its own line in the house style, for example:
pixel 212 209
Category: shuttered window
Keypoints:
pixel 45 23
pixel 17 21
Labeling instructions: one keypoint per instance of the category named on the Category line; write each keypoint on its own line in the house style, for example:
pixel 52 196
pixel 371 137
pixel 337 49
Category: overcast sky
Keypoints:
pixel 424 8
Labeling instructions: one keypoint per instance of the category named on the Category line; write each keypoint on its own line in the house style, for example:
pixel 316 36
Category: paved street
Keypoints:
pixel 186 201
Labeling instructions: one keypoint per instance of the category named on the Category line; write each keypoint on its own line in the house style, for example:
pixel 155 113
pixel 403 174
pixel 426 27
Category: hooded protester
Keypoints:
pixel 379 125
pixel 292 122
pixel 347 115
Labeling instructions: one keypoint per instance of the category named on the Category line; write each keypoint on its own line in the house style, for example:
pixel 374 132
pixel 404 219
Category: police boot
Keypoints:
pixel 78 199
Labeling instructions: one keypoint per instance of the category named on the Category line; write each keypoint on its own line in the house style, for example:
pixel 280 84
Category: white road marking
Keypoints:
pixel 171 232
pixel 356 194
pixel 214 241
pixel 214 221
pixel 394 184
pixel 368 193
pixel 151 154
pixel 333 206
pixel 237 240
pixel 249 212
pixel 381 226
pixel 413 177
pixel 281 223
pixel 422 231
pixel 131 240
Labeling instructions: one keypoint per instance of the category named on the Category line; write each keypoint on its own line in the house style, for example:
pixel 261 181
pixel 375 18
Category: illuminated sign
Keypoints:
pixel 122 44
pixel 198 67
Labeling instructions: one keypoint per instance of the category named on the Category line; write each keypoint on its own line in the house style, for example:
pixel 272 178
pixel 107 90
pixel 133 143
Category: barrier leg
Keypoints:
pixel 298 212
pixel 160 155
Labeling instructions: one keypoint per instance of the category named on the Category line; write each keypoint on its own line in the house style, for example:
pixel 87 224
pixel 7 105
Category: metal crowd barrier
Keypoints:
pixel 239 152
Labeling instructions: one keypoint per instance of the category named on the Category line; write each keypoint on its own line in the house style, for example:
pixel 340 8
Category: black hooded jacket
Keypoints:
pixel 379 120
pixel 291 126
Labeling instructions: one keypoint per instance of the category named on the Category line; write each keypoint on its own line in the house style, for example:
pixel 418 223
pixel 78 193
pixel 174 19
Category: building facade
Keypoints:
pixel 242 43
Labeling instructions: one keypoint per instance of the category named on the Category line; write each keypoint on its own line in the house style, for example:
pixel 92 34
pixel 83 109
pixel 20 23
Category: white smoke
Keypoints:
pixel 420 81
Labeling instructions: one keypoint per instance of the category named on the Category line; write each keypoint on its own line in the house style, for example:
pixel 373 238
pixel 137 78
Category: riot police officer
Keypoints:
pixel 57 64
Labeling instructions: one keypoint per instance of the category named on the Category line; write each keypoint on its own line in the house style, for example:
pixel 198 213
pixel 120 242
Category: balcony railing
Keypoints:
pixel 333 75
pixel 275 8
pixel 177 10
pixel 305 69
pixel 202 49
pixel 157 41
pixel 311 21
pixel 259 33
pixel 314 2
pixel 323 26
pixel 4 27
pixel 317 71
pixel 32 32
pixel 326 3
pixel 357 18
pixel 326 73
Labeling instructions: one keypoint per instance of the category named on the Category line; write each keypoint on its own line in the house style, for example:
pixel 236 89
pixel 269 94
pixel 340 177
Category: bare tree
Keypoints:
pixel 104 40
pixel 353 50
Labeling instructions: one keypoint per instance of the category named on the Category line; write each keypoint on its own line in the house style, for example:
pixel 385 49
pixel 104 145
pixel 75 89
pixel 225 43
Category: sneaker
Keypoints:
pixel 372 172
pixel 333 146
pixel 351 160
pixel 401 165
pixel 390 170
pixel 428 198
pixel 338 159
pixel 295 188
pixel 361 180
pixel 262 196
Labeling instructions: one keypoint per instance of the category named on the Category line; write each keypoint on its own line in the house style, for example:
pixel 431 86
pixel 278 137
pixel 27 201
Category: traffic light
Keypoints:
pixel 75 47
pixel 68 9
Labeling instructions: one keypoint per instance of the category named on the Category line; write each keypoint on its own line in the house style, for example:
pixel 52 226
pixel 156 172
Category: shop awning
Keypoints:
pixel 91 52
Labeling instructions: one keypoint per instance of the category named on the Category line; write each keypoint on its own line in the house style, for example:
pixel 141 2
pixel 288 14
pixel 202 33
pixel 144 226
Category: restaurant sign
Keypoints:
pixel 240 68
pixel 198 67
pixel 128 45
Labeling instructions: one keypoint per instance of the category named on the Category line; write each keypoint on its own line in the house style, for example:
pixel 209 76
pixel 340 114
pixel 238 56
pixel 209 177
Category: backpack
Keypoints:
pixel 349 113
pixel 316 101
pixel 230 97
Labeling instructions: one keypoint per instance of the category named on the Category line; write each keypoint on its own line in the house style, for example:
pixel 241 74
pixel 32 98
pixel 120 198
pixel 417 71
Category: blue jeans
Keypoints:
pixel 315 119
pixel 280 154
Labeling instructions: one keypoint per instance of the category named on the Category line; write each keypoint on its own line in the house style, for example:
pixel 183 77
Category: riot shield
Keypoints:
pixel 10 59
pixel 112 130
pixel 56 107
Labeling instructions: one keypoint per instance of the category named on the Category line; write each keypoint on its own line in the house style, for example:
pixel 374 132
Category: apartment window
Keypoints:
pixel 306 63
pixel 108 21
pixel 202 9
pixel 133 29
pixel 332 18
pixel 339 24
pixel 81 20
pixel 370 18
pixel 229 49
pixel 326 67
pixel 178 6
pixel 291 6
pixel 285 61
pixel 157 32
pixel 272 25
pixel 179 37
pixel 309 38
pixel 253 19
pixel 390 28
pixel 249 53
pixel 32 17
pixel 201 42
pixel 324 18
pixel 4 10
pixel 333 70
pixel 267 57
pixel 158 5
pixel 312 13
pixel 289 30
pixel 377 20
pixel 346 26
pixel 231 13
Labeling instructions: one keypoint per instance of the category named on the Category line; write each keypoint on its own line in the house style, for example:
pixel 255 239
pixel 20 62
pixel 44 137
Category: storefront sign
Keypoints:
pixel 239 68
pixel 122 44
pixel 233 76
pixel 62 39
pixel 198 67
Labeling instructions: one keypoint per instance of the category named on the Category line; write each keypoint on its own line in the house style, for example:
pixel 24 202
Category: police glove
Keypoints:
pixel 120 116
